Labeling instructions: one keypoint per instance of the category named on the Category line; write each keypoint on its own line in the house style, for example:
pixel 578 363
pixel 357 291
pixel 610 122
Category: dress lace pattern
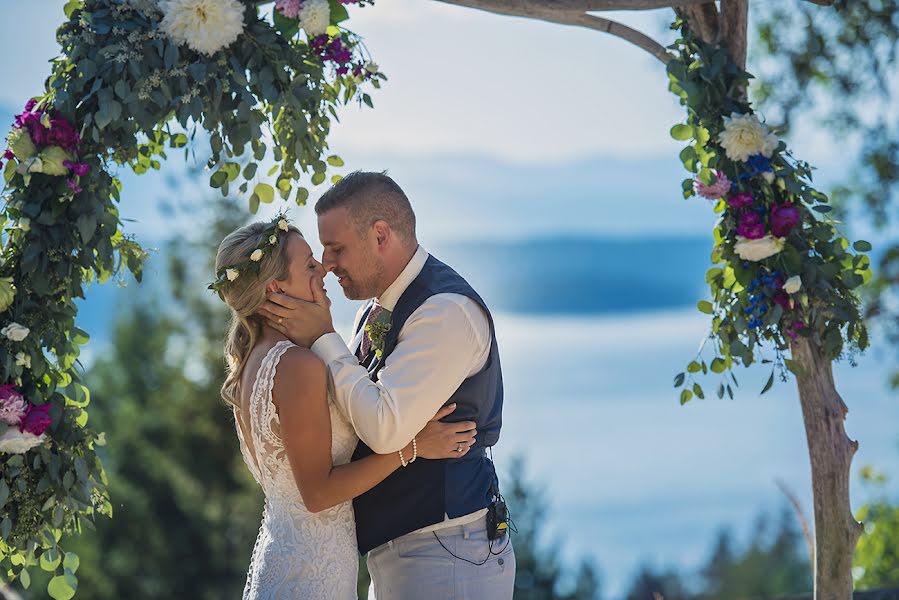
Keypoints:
pixel 298 554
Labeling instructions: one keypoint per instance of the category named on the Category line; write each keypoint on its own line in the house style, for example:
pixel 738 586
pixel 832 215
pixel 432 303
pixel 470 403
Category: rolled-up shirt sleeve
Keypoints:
pixel 445 341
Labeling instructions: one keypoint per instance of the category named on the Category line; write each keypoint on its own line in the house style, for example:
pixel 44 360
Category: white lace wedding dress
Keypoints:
pixel 298 555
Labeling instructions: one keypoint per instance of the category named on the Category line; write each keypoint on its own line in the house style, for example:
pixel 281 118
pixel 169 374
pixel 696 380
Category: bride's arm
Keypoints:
pixel 300 396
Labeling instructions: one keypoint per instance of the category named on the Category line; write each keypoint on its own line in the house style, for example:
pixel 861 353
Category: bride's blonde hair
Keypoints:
pixel 246 294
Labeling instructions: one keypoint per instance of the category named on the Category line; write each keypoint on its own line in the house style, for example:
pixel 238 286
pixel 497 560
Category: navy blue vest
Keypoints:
pixel 427 490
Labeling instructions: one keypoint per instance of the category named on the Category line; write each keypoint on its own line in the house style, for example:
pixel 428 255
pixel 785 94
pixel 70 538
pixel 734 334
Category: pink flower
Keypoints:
pixel 784 217
pixel 8 155
pixel 715 190
pixel 37 420
pixel 62 133
pixel 288 8
pixel 13 407
pixel 73 185
pixel 741 200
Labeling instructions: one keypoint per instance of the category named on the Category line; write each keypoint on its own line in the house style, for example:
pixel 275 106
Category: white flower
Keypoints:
pixel 25 224
pixel 14 441
pixel 314 16
pixel 231 274
pixel 769 176
pixel 756 250
pixel 257 255
pixel 273 240
pixel 23 360
pixel 792 285
pixel 744 136
pixel 15 332
pixel 206 26
pixel 282 225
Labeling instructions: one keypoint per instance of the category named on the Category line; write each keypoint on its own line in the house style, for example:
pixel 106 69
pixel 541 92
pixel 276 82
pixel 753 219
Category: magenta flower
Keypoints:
pixel 794 329
pixel 73 185
pixel 37 420
pixel 741 200
pixel 784 217
pixel 78 168
pixel 288 8
pixel 13 407
pixel 715 190
pixel 783 299
pixel 8 155
pixel 62 133
pixel 751 226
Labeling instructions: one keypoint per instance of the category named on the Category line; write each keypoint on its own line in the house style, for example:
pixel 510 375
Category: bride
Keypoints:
pixel 293 439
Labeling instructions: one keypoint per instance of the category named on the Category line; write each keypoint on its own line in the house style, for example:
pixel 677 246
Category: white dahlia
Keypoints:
pixel 314 16
pixel 744 136
pixel 206 26
pixel 759 249
pixel 14 441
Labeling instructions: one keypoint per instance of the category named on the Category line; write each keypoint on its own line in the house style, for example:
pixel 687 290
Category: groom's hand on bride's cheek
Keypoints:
pixel 301 321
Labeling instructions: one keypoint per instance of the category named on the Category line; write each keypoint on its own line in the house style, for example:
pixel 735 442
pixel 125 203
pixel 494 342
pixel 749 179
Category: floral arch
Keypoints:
pixel 138 78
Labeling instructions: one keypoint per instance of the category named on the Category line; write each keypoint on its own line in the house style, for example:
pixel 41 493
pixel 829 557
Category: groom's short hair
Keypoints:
pixel 371 197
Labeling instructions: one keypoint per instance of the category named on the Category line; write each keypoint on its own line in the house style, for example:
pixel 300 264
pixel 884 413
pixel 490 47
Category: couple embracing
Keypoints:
pixel 376 446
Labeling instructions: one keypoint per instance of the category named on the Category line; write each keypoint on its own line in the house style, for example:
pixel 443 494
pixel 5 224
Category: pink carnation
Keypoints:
pixel 37 420
pixel 13 407
pixel 288 8
pixel 714 191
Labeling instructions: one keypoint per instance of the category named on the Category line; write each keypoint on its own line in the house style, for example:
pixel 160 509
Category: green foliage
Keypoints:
pixel 132 94
pixel 876 561
pixel 748 307
pixel 539 573
pixel 849 52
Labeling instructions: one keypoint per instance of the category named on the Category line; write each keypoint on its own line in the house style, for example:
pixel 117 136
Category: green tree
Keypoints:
pixel 540 574
pixel 186 510
pixel 838 67
pixel 650 584
pixel 877 555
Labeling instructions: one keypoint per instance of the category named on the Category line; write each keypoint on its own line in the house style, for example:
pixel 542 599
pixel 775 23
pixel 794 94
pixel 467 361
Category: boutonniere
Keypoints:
pixel 377 331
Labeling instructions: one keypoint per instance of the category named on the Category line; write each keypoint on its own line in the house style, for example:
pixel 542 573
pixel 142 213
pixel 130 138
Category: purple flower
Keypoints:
pixel 78 168
pixel 37 420
pixel 783 299
pixel 63 133
pixel 741 200
pixel 13 407
pixel 784 217
pixel 30 104
pixel 715 190
pixel 333 50
pixel 8 155
pixel 794 329
pixel 73 185
pixel 751 226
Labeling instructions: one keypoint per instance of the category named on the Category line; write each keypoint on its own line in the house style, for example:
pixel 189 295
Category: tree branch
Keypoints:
pixel 530 9
pixel 521 7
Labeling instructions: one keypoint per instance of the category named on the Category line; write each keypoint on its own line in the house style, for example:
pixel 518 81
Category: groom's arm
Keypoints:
pixel 442 343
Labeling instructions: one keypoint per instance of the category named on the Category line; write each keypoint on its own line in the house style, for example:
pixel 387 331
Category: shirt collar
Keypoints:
pixel 393 292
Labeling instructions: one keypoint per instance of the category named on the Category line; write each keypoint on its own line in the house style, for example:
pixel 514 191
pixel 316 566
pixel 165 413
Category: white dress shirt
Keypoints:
pixel 443 343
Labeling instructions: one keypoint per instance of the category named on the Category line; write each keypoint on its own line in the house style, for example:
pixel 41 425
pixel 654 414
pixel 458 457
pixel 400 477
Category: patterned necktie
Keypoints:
pixel 365 346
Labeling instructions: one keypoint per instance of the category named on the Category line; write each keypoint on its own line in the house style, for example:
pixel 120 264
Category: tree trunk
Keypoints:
pixel 830 452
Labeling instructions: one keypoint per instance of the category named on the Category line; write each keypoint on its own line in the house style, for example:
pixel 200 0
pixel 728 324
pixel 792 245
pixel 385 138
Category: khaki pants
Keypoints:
pixel 417 567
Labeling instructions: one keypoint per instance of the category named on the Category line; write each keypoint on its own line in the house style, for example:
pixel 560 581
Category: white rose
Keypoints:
pixel 23 360
pixel 207 26
pixel 744 136
pixel 14 441
pixel 257 255
pixel 15 332
pixel 756 250
pixel 283 225
pixel 792 285
pixel 273 240
pixel 231 274
pixel 314 16
pixel 25 224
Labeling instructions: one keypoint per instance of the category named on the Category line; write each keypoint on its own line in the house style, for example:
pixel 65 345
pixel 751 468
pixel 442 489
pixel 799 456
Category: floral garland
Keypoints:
pixel 784 271
pixel 230 273
pixel 134 80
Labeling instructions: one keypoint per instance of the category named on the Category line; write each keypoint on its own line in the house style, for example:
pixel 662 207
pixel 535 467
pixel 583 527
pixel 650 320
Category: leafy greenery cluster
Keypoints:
pixel 134 94
pixel 826 309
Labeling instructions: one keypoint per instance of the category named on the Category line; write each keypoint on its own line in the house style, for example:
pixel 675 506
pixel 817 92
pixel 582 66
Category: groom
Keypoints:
pixel 423 339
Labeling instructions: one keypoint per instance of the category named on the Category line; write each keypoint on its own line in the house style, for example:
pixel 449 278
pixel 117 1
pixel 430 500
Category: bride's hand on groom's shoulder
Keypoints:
pixel 446 440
